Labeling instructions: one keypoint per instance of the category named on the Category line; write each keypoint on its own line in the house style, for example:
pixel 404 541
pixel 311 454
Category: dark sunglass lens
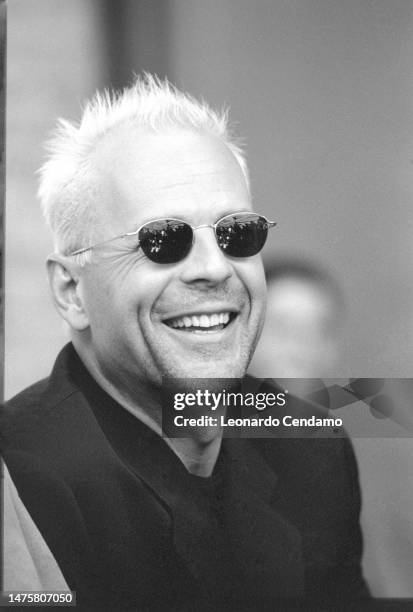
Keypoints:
pixel 166 241
pixel 242 235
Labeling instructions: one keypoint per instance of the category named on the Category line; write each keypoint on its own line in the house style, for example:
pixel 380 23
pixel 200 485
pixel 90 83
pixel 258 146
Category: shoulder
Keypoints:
pixel 21 416
pixel 23 406
pixel 30 407
pixel 44 429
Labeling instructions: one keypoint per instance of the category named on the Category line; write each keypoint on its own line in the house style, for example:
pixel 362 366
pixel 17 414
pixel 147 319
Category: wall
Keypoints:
pixel 54 62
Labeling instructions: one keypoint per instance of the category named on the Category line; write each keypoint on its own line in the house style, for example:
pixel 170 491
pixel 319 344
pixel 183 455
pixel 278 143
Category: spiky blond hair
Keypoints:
pixel 69 182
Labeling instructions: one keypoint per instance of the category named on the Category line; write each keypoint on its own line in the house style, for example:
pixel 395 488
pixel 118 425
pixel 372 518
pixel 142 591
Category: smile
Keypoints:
pixel 203 322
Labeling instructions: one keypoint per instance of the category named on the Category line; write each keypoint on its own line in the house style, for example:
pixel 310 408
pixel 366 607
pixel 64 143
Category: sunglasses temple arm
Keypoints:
pixel 80 251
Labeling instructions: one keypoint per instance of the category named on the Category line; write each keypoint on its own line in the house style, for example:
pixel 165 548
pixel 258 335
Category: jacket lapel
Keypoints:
pixel 266 544
pixel 161 470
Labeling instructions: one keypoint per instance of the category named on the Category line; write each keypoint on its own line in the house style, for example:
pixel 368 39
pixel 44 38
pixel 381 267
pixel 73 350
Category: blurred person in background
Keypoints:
pixel 304 322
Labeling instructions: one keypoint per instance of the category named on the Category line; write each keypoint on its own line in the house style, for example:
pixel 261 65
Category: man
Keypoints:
pixel 157 272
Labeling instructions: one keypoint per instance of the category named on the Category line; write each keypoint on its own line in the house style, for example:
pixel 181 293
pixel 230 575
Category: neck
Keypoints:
pixel 198 453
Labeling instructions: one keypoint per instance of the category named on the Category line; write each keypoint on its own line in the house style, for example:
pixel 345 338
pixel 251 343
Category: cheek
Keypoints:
pixel 107 302
pixel 124 287
pixel 97 300
pixel 139 295
pixel 253 278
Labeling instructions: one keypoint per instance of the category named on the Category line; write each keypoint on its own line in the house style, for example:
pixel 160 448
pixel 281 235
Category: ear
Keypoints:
pixel 64 283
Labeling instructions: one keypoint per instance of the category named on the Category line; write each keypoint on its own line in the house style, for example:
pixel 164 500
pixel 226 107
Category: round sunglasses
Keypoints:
pixel 167 241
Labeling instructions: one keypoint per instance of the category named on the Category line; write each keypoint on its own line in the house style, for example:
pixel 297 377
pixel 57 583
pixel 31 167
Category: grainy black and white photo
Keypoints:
pixel 207 203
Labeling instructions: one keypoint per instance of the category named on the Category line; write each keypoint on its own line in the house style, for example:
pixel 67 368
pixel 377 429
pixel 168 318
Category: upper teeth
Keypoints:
pixel 203 320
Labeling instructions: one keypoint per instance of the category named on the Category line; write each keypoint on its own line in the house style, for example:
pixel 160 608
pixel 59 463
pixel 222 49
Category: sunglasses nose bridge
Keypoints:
pixel 204 225
pixel 213 226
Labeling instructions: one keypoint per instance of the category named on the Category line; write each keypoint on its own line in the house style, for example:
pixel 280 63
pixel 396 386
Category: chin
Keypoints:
pixel 207 365
pixel 217 370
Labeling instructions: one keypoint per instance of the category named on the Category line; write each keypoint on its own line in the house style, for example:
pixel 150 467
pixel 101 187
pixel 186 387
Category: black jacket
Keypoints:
pixel 131 528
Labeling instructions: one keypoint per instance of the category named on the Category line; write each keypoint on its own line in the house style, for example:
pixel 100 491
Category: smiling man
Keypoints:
pixel 158 274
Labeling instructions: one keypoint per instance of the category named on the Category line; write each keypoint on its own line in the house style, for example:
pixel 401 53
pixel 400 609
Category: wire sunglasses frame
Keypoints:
pixel 214 226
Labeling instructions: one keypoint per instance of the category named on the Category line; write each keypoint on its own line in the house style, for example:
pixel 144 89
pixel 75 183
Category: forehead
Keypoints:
pixel 177 172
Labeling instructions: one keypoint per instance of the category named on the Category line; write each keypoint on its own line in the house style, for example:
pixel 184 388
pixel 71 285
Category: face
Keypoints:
pixel 199 317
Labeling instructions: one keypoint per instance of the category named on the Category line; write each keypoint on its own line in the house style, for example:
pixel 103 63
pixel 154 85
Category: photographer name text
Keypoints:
pixel 269 421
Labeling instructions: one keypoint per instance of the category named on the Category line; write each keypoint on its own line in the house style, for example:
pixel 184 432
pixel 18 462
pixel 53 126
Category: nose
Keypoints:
pixel 205 263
